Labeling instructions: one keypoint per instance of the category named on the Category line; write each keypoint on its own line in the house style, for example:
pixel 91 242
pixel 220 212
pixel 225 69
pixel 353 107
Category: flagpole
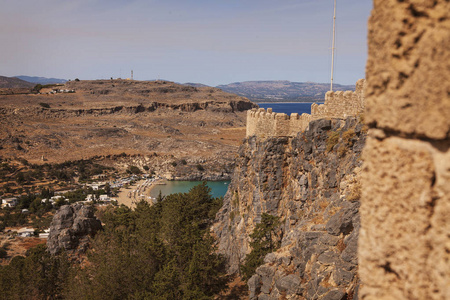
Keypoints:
pixel 333 46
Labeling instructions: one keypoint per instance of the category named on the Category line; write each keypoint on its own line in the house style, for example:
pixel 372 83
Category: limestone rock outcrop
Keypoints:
pixel 404 246
pixel 71 228
pixel 311 182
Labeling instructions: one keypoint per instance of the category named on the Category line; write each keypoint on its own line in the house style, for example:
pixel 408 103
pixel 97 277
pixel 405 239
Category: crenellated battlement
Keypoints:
pixel 339 105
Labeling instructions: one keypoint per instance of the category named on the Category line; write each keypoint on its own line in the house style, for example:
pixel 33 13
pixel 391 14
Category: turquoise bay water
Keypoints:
pixel 218 188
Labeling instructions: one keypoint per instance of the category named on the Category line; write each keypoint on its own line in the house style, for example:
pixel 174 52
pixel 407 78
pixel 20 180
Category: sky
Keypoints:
pixel 205 41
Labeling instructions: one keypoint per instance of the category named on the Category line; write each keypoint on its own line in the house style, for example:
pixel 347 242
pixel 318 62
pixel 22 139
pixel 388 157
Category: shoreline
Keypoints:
pixel 142 190
pixel 137 192
pixel 154 184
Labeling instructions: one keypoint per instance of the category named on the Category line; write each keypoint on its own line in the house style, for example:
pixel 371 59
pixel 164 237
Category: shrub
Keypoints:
pixel 146 168
pixel 232 215
pixel 347 141
pixel 183 162
pixel 3 253
pixel 45 105
pixel 173 164
pixel 333 139
pixel 23 160
pixel 37 88
pixel 76 79
pixel 348 136
pixel 341 150
pixel 133 170
pixel 200 167
pixel 355 192
pixel 236 199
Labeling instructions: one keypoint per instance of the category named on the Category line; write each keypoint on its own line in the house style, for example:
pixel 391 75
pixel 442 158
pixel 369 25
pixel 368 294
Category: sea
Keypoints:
pixel 218 188
pixel 289 108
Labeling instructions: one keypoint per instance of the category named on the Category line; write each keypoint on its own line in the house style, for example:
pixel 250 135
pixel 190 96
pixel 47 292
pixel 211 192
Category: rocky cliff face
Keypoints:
pixel 71 228
pixel 311 182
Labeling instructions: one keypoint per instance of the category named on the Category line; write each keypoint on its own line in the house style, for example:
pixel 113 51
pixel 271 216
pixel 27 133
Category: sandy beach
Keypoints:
pixel 136 192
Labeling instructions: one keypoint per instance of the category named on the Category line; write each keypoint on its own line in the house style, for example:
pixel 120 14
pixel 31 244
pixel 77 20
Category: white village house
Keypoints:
pixel 25 232
pixel 10 202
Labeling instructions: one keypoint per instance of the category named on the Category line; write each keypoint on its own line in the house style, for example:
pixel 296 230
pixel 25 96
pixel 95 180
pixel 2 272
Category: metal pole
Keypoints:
pixel 333 46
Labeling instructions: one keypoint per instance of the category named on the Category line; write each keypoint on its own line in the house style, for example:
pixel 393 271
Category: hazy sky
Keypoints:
pixel 207 41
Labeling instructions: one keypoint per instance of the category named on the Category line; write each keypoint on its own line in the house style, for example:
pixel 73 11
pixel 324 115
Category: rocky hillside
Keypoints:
pixel 14 83
pixel 311 182
pixel 282 90
pixel 110 117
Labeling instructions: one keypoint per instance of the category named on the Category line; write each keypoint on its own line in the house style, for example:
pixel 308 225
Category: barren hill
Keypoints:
pixel 41 80
pixel 14 83
pixel 110 117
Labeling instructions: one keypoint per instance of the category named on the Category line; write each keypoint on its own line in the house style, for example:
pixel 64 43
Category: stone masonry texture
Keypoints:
pixel 404 241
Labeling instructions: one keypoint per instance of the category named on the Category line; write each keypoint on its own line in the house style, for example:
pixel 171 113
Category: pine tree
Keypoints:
pixel 264 241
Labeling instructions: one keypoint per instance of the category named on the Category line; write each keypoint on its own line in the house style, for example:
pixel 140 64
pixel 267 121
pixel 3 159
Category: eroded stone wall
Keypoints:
pixel 404 245
pixel 339 105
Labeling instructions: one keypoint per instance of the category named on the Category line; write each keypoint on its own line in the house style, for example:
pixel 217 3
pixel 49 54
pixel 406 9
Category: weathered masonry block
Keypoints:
pixel 404 240
pixel 340 105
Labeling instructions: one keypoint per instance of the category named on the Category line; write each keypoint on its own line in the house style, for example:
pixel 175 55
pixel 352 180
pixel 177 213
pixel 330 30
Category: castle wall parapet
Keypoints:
pixel 338 104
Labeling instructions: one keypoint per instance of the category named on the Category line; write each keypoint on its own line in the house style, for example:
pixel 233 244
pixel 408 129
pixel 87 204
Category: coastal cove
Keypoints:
pixel 218 188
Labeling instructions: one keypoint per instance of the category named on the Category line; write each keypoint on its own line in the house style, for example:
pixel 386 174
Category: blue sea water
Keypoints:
pixel 218 188
pixel 288 108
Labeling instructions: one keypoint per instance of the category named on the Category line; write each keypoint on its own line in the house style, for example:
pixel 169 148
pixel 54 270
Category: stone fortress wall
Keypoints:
pixel 339 104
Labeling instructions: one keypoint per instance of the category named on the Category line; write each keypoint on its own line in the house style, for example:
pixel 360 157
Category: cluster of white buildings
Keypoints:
pixel 105 199
pixel 56 91
pixel 54 199
pixel 10 202
pixel 124 181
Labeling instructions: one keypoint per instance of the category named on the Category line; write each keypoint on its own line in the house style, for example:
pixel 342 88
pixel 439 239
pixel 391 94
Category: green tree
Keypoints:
pixel 159 251
pixel 36 276
pixel 134 170
pixel 3 253
pixel 264 241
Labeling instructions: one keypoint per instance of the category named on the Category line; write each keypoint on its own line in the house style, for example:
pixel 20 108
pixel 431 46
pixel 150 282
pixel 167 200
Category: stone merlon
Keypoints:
pixel 340 105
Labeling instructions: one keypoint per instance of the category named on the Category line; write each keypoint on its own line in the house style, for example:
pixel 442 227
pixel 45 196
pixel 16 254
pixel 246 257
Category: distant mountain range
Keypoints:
pixel 256 91
pixel 282 90
pixel 14 83
pixel 41 80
